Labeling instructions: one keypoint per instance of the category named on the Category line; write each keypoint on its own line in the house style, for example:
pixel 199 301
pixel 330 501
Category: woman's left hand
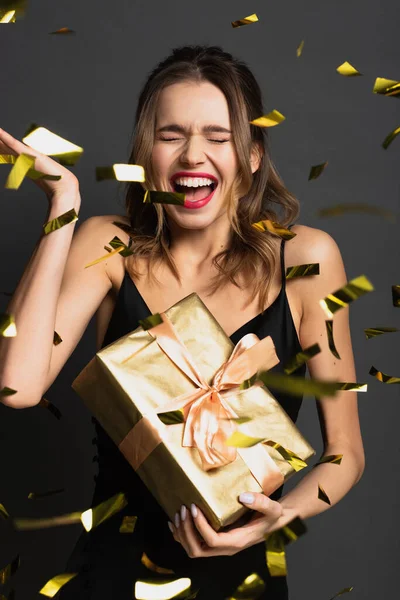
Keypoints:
pixel 192 530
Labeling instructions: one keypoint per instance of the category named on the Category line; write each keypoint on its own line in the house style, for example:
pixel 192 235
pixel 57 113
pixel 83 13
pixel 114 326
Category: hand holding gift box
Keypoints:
pixel 186 364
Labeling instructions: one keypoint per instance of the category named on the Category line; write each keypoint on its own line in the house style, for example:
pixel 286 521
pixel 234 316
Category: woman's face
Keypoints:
pixel 194 152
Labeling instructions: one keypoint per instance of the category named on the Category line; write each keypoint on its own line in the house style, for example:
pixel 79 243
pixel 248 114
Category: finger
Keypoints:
pixel 262 504
pixel 207 533
pixel 174 532
pixel 15 145
pixel 189 534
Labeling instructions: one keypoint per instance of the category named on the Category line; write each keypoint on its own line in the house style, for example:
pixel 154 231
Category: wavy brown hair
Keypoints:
pixel 254 197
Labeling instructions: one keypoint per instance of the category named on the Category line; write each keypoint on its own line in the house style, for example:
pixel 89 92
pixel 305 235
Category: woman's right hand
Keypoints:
pixel 68 185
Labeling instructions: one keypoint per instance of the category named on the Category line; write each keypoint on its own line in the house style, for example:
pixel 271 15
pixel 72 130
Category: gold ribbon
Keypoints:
pixel 207 414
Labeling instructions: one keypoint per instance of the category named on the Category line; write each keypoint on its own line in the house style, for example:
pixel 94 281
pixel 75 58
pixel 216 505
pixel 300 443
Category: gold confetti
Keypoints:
pixel 299 49
pixel 9 159
pixel 3 511
pixel 151 321
pixel 36 495
pixel 270 120
pixel 342 297
pixel 371 332
pixel 117 243
pixel 396 295
pixel 119 248
pixel 302 270
pixel 250 589
pixel 241 440
pixel 316 170
pixel 300 358
pixel 276 542
pixel 6 391
pixel 172 417
pixel 9 570
pixel 246 21
pixel 145 560
pixel 347 70
pixel 343 591
pixel 51 144
pixel 98 260
pixel 51 588
pixel 128 524
pixel 274 227
pixel 160 589
pixel 25 524
pixel 331 341
pixel 295 461
pixel 383 377
pixel 340 209
pixel 44 403
pixel 56 339
pixel 7 325
pixel 121 172
pixel 63 30
pixel 68 217
pixel 389 138
pixel 22 165
pixel 238 420
pixel 334 459
pixel 153 197
pixel 322 495
pixel 387 87
pixel 10 10
pixel 298 386
pixel 7 17
pixel 92 517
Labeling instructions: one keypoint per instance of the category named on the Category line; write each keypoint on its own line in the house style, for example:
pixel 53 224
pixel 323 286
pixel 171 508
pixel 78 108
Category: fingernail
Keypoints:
pixel 176 520
pixel 193 510
pixel 171 527
pixel 183 512
pixel 247 498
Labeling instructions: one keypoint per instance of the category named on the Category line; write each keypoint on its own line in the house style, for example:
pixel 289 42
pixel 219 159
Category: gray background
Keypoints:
pixel 85 88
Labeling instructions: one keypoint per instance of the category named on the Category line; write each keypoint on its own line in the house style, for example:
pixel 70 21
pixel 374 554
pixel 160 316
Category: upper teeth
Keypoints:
pixel 193 181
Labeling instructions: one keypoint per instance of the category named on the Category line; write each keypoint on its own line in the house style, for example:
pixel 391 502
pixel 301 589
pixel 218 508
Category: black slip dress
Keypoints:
pixel 109 562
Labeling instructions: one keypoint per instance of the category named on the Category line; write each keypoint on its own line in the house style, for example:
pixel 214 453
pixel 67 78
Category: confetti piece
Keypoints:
pixel 246 21
pixel 26 524
pixel 22 165
pixel 6 391
pixel 299 50
pixel 382 377
pixel 347 70
pixel 387 87
pixel 173 417
pixel 295 461
pixel 37 495
pixel 56 339
pixel 152 197
pixel 7 16
pixel 334 459
pixel 63 30
pixel 4 512
pixel 342 297
pixel 396 295
pixel 51 588
pixel 300 358
pixel 151 321
pixel 241 440
pixel 343 591
pixel 389 138
pixel 274 227
pixel 9 159
pixel 250 589
pixel 316 171
pixel 68 217
pixel 7 325
pixel 117 243
pixel 341 209
pixel 322 495
pixel 93 517
pixel 302 270
pixel 51 144
pixel 276 542
pixel 105 257
pixel 8 571
pixel 128 524
pixel 270 120
pixel 238 420
pixel 161 589
pixel 298 386
pixel 145 560
pixel 331 341
pixel 375 331
pixel 121 172
pixel 44 403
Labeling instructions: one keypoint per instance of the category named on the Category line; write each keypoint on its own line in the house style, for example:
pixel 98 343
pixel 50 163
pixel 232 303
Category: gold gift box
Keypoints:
pixel 132 378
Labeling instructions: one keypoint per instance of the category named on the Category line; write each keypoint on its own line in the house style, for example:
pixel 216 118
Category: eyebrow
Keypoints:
pixel 206 129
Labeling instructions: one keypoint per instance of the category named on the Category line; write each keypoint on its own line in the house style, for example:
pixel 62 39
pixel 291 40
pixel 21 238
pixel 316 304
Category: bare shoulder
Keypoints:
pixel 310 243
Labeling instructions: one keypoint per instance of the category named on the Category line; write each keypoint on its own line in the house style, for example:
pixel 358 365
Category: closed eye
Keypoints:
pixel 178 139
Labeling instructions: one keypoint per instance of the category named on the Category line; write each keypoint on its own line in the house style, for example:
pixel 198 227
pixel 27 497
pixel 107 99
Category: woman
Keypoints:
pixel 192 135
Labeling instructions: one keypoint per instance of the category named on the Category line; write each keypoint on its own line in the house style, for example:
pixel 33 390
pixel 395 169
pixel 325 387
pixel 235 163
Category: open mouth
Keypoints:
pixel 196 189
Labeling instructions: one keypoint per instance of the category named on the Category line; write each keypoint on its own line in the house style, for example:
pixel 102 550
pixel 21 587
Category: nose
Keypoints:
pixel 193 151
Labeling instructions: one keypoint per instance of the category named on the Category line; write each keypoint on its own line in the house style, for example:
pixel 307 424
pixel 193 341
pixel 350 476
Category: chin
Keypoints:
pixel 193 219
